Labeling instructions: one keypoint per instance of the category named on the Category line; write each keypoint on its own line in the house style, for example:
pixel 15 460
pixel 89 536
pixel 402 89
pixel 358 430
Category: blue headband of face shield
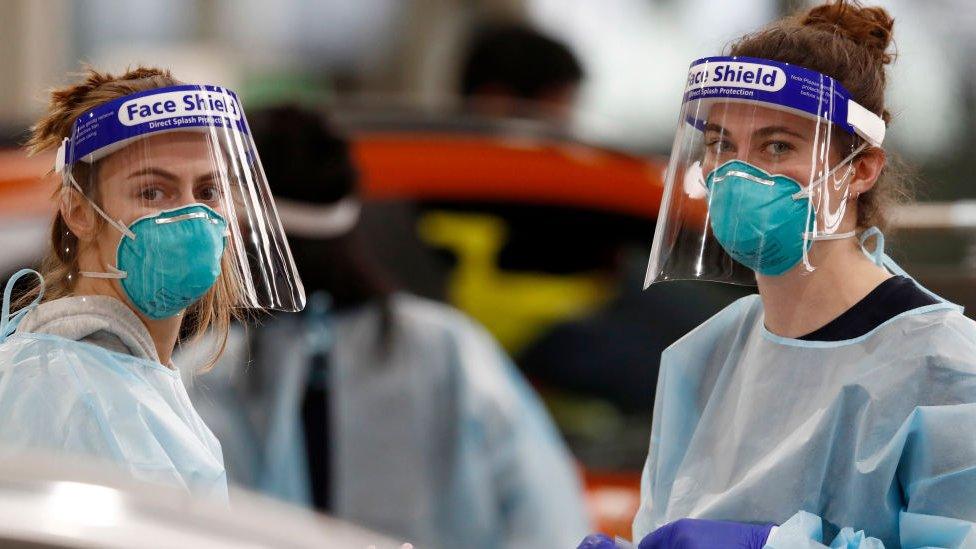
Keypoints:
pixel 113 125
pixel 782 85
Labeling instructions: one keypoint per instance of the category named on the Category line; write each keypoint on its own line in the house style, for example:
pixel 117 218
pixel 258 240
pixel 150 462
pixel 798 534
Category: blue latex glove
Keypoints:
pixel 701 534
pixel 597 541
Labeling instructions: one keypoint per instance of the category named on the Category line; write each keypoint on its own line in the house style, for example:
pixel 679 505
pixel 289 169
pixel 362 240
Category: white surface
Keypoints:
pixel 22 241
pixel 49 500
pixel 936 215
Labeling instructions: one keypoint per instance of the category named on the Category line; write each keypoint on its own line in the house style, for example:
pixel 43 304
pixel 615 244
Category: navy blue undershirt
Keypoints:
pixel 891 298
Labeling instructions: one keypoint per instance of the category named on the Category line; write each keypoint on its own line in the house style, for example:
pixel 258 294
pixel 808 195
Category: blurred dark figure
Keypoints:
pixel 598 373
pixel 511 70
pixel 375 405
pixel 613 354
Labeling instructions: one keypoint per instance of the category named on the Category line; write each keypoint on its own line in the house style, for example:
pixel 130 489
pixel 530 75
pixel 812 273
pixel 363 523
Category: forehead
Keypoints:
pixel 189 149
pixel 733 116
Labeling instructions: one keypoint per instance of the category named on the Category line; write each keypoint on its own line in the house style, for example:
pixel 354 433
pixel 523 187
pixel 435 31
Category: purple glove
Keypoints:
pixel 700 534
pixel 597 541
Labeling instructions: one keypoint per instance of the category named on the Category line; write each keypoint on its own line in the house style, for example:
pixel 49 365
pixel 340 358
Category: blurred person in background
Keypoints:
pixel 375 405
pixel 840 402
pixel 145 241
pixel 513 71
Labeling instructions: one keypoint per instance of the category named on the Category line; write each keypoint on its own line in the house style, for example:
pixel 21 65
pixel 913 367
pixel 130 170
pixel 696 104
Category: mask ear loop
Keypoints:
pixel 819 181
pixel 117 224
pixel 8 322
pixel 808 193
pixel 114 272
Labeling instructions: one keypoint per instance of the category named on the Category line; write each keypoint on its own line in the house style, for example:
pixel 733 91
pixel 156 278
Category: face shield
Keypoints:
pixel 167 190
pixel 759 171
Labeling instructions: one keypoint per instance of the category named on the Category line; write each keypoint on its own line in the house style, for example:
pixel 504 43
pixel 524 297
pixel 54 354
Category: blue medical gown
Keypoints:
pixel 73 398
pixel 435 438
pixel 876 433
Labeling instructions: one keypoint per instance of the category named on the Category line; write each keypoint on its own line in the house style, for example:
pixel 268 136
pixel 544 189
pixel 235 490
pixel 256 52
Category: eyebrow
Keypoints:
pixel 153 171
pixel 713 127
pixel 761 132
pixel 170 176
pixel 770 130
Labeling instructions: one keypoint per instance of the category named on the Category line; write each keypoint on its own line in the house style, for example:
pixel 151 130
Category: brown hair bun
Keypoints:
pixel 870 27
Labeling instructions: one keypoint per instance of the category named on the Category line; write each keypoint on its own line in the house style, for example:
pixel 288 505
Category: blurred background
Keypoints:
pixel 531 209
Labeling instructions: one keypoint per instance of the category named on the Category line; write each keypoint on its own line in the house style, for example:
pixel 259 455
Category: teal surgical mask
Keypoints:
pixel 764 221
pixel 168 260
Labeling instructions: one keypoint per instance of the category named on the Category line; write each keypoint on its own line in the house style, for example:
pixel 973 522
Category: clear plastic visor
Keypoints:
pixel 750 187
pixel 161 211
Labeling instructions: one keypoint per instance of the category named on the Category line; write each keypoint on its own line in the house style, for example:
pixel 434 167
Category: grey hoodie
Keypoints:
pixel 99 320
pixel 109 401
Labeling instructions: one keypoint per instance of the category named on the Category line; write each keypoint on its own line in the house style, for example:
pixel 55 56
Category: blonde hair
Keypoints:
pixel 215 310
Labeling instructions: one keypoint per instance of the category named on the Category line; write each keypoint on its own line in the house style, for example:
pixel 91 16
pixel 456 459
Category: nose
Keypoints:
pixel 186 196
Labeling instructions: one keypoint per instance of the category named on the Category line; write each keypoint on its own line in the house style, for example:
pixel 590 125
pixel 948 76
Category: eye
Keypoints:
pixel 151 193
pixel 207 193
pixel 719 145
pixel 778 148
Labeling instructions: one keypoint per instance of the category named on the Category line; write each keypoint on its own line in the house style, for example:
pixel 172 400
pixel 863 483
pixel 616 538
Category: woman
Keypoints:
pixel 840 402
pixel 164 222
pixel 375 405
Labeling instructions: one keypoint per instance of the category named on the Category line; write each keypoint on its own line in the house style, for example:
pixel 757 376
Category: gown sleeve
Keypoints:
pixel 936 476
pixel 537 489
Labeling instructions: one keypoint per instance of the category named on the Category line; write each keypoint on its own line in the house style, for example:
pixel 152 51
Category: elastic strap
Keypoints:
pixel 807 192
pixel 9 322
pixel 878 254
pixel 117 224
pixel 835 236
pixel 113 273
pixel 816 183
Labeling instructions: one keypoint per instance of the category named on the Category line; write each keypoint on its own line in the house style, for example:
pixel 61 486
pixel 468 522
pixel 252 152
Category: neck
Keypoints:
pixel 799 302
pixel 164 332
